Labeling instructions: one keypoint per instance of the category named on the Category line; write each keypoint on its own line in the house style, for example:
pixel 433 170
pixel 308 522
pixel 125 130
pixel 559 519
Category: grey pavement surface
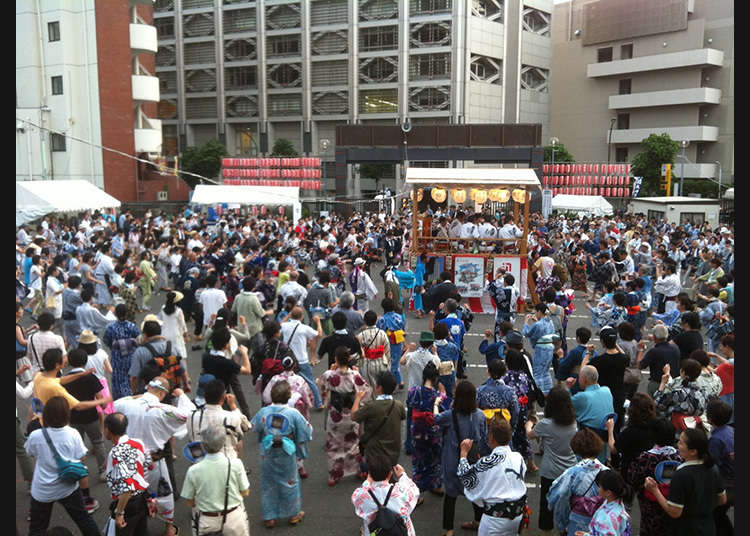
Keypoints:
pixel 329 509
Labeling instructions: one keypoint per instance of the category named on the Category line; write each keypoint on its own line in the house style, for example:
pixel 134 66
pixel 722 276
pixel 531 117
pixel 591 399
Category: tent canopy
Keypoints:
pixel 591 204
pixel 208 194
pixel 729 194
pixel 35 199
pixel 457 177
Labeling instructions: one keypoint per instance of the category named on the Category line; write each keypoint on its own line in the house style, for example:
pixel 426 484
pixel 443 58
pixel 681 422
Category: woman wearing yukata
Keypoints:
pixel 426 401
pixel 283 433
pixel 302 398
pixel 339 387
pixel 517 379
pixel 611 519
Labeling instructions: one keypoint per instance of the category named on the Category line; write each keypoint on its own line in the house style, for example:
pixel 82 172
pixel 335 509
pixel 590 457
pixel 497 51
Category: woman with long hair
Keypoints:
pixel 463 421
pixel 637 436
pixel 555 432
pixel 339 387
pixel 54 289
pixel 427 401
pixel 654 520
pixel 173 326
pixel 696 488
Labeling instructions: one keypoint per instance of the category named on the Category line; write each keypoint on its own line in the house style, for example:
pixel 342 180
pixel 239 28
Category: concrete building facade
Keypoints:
pixel 251 72
pixel 85 69
pixel 625 70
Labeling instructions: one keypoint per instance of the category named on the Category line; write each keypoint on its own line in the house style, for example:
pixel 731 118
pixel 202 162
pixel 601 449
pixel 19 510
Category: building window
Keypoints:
pixel 693 218
pixel 625 86
pixel 626 51
pixel 53 29
pixel 657 215
pixel 57 85
pixel 621 154
pixel 378 38
pixel 58 142
pixel 604 54
pixel 164 28
pixel 623 121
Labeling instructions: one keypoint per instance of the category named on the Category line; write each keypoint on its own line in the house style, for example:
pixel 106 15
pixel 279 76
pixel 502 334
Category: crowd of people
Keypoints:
pixel 272 300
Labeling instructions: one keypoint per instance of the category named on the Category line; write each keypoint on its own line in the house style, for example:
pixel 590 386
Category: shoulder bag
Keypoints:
pixel 363 441
pixel 70 471
pixel 220 532
pixel 586 506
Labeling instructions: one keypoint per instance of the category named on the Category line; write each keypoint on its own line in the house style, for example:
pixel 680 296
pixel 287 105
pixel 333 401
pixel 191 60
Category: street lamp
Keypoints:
pixel 553 141
pixel 719 164
pixel 683 144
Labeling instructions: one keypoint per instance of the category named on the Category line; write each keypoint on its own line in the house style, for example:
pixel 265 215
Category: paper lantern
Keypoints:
pixel 439 195
pixel 627 192
pixel 556 170
pixel 501 195
pixel 545 168
pixel 458 195
pixel 519 195
pixel 479 196
pixel 416 195
pixel 588 190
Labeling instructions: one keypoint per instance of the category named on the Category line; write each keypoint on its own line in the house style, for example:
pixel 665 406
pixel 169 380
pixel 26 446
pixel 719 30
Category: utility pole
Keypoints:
pixel 684 144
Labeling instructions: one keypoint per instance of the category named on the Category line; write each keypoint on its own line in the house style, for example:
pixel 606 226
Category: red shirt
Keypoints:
pixel 725 371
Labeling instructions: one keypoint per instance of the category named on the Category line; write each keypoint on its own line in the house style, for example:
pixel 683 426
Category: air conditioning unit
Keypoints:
pixel 162 196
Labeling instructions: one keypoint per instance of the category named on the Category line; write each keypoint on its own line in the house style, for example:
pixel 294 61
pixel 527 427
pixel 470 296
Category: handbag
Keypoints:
pixel 220 532
pixel 363 441
pixel 473 456
pixel 70 471
pixel 586 506
pixel 632 376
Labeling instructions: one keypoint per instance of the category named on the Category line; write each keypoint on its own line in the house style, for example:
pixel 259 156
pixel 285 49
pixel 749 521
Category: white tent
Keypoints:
pixel 589 204
pixel 35 199
pixel 729 194
pixel 206 194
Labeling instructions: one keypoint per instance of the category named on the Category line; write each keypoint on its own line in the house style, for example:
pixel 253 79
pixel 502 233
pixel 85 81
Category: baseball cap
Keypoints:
pixel 200 395
pixel 514 337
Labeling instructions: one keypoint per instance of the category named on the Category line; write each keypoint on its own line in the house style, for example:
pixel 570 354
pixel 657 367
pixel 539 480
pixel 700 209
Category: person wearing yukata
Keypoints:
pixel 541 334
pixel 611 518
pixel 505 296
pixel 148 279
pixel 121 338
pixel 338 387
pixel 496 482
pixel 155 422
pixel 406 281
pixel 402 496
pixel 363 288
pixel 419 274
pixel 283 434
pixel 394 326
pixel 496 398
pixel 610 316
pixel 301 399
pixel 105 273
pixel 457 331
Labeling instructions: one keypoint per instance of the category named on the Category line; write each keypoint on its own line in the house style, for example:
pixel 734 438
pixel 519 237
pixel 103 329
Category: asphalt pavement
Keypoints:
pixel 329 509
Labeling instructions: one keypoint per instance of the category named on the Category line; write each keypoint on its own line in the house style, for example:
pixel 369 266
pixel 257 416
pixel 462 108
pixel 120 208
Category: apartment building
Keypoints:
pixel 85 69
pixel 625 70
pixel 251 72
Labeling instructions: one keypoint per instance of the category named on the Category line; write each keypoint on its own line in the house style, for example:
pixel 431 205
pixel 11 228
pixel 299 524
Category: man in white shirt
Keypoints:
pixel 668 284
pixel 496 482
pixel 212 413
pixel 509 231
pixel 292 288
pixel 154 422
pixel 469 229
pixel 486 229
pixel 298 337
pixel 415 361
pixel 211 299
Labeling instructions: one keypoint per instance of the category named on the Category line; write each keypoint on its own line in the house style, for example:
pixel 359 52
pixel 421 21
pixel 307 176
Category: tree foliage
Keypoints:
pixel 283 147
pixel 204 160
pixel 658 149
pixel 561 154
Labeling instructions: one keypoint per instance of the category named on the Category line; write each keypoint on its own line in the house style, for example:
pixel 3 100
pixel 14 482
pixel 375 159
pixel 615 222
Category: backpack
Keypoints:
pixel 279 434
pixel 556 318
pixel 663 476
pixel 168 364
pixel 386 522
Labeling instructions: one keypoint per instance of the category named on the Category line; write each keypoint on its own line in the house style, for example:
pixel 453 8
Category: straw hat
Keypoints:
pixel 151 318
pixel 87 337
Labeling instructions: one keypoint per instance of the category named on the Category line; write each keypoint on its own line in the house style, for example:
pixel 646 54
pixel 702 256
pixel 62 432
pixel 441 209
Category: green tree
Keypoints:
pixel 561 154
pixel 375 171
pixel 284 147
pixel 204 160
pixel 659 149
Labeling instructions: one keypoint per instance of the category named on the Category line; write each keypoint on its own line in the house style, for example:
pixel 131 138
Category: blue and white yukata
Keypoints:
pixel 390 323
pixel 281 486
pixel 540 335
pixel 576 481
